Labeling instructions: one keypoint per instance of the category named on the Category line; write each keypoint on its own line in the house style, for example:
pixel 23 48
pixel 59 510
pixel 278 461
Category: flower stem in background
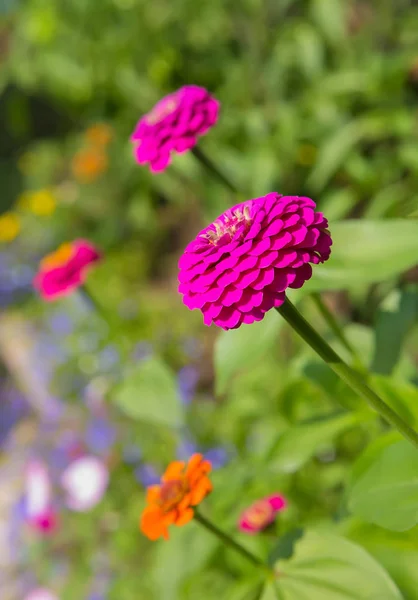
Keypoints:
pixel 228 541
pixel 93 303
pixel 210 166
pixel 335 326
pixel 346 373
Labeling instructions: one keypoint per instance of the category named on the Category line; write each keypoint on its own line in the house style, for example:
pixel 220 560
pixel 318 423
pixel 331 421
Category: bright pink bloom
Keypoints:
pixel 261 514
pixel 173 125
pixel 61 272
pixel 41 594
pixel 39 511
pixel 240 266
pixel 85 481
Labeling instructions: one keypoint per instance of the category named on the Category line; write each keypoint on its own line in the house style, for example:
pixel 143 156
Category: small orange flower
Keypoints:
pixel 170 502
pixel 99 134
pixel 88 164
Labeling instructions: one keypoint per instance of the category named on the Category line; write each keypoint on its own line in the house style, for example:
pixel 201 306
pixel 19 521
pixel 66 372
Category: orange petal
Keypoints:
pixel 174 470
pixel 201 490
pixel 185 502
pixel 151 523
pixel 184 517
pixel 194 462
pixel 153 493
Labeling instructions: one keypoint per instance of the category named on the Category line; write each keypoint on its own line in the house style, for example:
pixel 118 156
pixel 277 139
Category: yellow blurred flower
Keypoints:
pixel 42 202
pixel 9 227
pixel 99 134
pixel 306 154
pixel 88 164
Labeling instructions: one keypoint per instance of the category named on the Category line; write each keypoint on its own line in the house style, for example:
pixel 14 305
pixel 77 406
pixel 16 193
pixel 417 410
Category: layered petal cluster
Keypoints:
pixel 171 502
pixel 173 125
pixel 261 514
pixel 240 266
pixel 61 272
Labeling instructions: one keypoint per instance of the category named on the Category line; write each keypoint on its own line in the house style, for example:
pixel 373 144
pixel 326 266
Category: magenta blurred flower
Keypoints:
pixel 261 514
pixel 173 125
pixel 39 512
pixel 240 266
pixel 85 481
pixel 41 594
pixel 63 271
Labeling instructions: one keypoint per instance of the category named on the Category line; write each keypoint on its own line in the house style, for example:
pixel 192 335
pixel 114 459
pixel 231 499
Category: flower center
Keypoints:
pixel 231 223
pixel 58 258
pixel 172 492
pixel 163 109
pixel 260 514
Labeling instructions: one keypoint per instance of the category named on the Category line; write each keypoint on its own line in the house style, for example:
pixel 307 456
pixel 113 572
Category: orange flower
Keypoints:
pixel 99 134
pixel 88 164
pixel 170 502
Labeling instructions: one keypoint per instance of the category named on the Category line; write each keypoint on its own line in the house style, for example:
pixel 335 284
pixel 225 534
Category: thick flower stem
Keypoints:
pixel 227 540
pixel 346 373
pixel 210 166
pixel 334 326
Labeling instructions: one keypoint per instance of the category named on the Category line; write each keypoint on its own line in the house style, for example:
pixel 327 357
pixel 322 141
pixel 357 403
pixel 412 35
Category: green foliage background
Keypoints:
pixel 319 98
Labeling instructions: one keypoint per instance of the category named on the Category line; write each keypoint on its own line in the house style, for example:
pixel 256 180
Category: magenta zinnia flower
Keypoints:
pixel 240 266
pixel 61 272
pixel 173 125
pixel 261 514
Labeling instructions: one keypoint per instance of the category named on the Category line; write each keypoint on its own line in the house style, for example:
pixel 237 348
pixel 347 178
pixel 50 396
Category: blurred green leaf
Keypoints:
pixel 149 393
pixel 402 396
pixel 239 349
pixel 298 444
pixel 328 567
pixel 393 322
pixel 387 493
pixel 365 252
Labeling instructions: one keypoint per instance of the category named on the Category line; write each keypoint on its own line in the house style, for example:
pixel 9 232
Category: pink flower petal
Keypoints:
pixel 85 481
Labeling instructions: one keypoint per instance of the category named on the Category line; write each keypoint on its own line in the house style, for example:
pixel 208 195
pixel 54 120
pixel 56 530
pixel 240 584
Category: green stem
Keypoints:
pixel 346 373
pixel 226 539
pixel 210 166
pixel 334 326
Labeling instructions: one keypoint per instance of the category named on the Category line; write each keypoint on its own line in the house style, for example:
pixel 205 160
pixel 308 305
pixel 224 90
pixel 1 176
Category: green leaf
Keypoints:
pixel 186 553
pixel 328 567
pixel 400 395
pixel 149 393
pixel 366 252
pixel 334 152
pixel 393 323
pixel 299 443
pixel 237 350
pixel 387 492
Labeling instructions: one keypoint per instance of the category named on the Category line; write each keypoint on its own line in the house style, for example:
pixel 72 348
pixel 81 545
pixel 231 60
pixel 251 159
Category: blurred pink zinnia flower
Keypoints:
pixel 41 594
pixel 39 511
pixel 240 266
pixel 173 125
pixel 61 272
pixel 85 481
pixel 261 514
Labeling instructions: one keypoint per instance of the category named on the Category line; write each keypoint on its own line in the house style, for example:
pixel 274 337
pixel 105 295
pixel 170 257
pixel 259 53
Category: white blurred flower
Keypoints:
pixel 39 511
pixel 38 489
pixel 85 481
pixel 41 594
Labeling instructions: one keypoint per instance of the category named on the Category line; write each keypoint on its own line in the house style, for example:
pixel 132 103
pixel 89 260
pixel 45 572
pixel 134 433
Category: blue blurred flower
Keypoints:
pixel 218 456
pixel 142 351
pixel 13 407
pixel 61 323
pixel 146 475
pixel 187 379
pixel 131 454
pixel 100 435
pixel 186 448
pixel 109 357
